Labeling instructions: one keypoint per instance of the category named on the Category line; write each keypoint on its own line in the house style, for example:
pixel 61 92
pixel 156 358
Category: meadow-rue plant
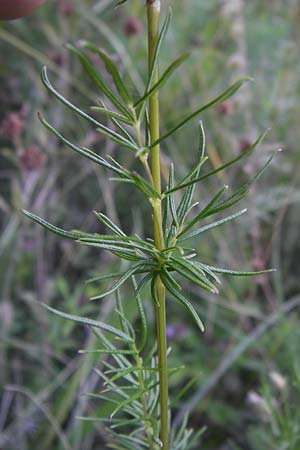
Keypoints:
pixel 135 376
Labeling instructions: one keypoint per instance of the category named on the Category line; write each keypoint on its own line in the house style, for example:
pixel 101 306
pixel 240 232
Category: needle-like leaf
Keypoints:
pixel 96 77
pixel 89 322
pixel 102 128
pixel 166 279
pixel 220 99
pixel 163 79
pixel 247 152
pixel 112 69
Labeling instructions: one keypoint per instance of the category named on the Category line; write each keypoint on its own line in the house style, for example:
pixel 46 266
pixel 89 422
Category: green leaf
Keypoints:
pixel 144 331
pixel 124 322
pixel 247 152
pixel 112 114
pixel 102 128
pixel 120 373
pixel 107 351
pixel 105 277
pixel 205 212
pixel 96 77
pixel 212 225
pixel 127 242
pixel 131 271
pixel 89 154
pixel 144 186
pixel 89 322
pixel 192 272
pixel 112 69
pixel 50 227
pixel 240 273
pixel 188 196
pixel 166 279
pixel 172 197
pixel 163 79
pixel 220 99
pixel 160 40
pixel 244 188
pixel 121 249
pixel 109 223
pixel 209 274
pixel 120 3
pixel 154 66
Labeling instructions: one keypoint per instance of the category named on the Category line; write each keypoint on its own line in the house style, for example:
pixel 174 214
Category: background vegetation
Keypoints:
pixel 244 372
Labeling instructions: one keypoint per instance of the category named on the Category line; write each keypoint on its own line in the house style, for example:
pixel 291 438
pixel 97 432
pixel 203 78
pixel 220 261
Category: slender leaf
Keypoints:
pixel 172 197
pixel 220 99
pixel 131 271
pixel 144 325
pixel 109 223
pixel 112 69
pixel 102 128
pixel 112 114
pixel 166 279
pixel 240 273
pixel 205 211
pixel 96 77
pixel 89 154
pixel 188 196
pixel 247 152
pixel 50 227
pixel 89 322
pixel 154 66
pixel 163 79
pixel 212 225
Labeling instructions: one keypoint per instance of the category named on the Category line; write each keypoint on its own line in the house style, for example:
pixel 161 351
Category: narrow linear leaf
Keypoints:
pixel 89 154
pixel 112 69
pixel 244 188
pixel 154 66
pixel 107 351
pixel 125 325
pixel 102 128
pixel 213 225
pixel 120 3
pixel 247 152
pixel 160 40
pixel 172 197
pixel 119 283
pixel 220 99
pixel 89 322
pixel 98 80
pixel 205 211
pixel 104 277
pixel 144 325
pixel 163 79
pixel 186 201
pixel 109 223
pixel 50 227
pixel 166 279
pixel 112 114
pixel 193 273
pixel 240 273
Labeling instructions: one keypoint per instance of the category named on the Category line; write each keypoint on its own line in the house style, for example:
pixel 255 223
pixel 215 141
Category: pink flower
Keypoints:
pixel 132 26
pixel 31 158
pixel 12 126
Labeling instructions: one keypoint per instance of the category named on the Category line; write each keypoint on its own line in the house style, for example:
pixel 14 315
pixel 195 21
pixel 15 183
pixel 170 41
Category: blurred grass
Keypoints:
pixel 43 377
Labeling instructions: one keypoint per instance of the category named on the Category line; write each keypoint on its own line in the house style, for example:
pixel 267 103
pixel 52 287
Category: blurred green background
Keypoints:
pixel 246 367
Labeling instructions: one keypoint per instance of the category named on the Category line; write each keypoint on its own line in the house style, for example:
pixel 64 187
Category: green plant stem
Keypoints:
pixel 153 14
pixel 147 422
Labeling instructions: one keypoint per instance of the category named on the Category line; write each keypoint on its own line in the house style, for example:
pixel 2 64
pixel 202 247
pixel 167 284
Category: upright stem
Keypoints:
pixel 153 14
